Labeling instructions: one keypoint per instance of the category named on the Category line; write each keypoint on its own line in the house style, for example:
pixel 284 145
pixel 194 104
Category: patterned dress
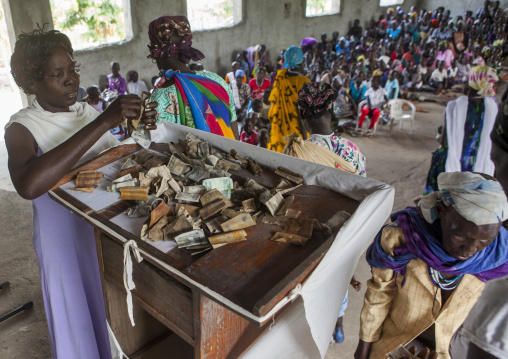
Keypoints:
pixel 344 148
pixel 283 115
pixel 472 134
pixel 169 111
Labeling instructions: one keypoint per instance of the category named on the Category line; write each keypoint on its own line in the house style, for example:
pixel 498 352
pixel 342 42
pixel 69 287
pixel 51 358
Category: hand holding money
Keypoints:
pixel 402 353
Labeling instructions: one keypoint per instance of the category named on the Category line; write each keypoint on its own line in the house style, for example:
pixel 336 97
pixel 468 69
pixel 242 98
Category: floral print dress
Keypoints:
pixel 344 148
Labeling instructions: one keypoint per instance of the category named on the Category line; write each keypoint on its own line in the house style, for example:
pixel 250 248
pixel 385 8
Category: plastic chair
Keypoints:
pixel 360 107
pixel 397 113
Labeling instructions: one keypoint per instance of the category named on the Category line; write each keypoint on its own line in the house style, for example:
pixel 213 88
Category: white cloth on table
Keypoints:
pixel 456 112
pixel 303 330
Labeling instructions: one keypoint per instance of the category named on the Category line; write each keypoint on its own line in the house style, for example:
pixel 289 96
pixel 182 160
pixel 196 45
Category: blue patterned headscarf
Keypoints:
pixel 293 57
pixel 477 199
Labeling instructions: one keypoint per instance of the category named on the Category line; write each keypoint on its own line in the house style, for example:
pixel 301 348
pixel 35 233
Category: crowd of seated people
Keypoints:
pixel 402 51
pixel 407 51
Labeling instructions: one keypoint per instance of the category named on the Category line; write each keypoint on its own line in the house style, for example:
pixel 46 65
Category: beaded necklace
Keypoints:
pixel 440 282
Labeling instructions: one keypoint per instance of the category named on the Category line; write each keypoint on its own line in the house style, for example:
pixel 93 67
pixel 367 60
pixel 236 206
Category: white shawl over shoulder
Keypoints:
pixel 52 129
pixel 456 112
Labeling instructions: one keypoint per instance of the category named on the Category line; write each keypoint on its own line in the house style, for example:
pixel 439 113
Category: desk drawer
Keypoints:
pixel 167 300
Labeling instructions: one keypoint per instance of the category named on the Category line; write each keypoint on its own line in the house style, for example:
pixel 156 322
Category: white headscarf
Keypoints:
pixel 51 129
pixel 475 198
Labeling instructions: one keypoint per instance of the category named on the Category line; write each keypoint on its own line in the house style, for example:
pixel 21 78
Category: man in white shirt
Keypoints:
pixel 439 78
pixel 136 86
pixel 376 97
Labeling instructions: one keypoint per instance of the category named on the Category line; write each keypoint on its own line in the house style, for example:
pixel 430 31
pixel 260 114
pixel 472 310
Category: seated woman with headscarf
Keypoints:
pixel 200 99
pixel 468 121
pixel 430 265
pixel 283 115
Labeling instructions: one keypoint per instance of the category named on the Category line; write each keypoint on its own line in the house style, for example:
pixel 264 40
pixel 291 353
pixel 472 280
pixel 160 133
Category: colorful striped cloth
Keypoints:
pixel 207 99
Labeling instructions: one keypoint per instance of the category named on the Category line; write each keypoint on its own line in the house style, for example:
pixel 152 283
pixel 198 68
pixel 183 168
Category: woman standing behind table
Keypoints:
pixel 283 115
pixel 45 141
pixel 315 103
pixel 201 99
pixel 468 121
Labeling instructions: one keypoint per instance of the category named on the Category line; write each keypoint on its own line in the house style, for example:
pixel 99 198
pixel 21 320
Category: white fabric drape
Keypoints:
pixel 304 329
pixel 456 112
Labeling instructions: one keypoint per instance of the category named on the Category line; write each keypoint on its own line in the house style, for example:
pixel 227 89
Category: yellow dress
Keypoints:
pixel 283 114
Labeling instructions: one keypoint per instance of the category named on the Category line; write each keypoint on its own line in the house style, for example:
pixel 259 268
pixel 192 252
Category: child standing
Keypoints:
pixel 45 141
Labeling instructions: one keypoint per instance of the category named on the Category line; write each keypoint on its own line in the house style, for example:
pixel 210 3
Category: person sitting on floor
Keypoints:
pixel 439 79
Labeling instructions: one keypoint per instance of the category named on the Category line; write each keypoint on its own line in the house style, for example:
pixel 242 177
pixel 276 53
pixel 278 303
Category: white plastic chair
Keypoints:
pixel 397 113
pixel 360 106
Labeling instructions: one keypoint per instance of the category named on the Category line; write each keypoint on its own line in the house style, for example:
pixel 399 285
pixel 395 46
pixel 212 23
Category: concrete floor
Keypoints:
pixel 402 160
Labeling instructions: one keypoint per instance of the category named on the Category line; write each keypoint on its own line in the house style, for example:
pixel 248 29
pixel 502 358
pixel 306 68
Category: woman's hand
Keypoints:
pixel 122 108
pixel 149 115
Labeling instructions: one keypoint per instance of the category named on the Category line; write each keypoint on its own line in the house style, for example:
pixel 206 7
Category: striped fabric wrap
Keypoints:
pixel 208 101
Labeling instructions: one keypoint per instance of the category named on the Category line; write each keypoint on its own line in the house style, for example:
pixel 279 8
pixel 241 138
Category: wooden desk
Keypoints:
pixel 254 275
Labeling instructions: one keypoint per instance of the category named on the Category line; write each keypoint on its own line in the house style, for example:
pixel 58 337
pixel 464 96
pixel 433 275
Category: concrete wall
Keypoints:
pixel 277 23
pixel 456 7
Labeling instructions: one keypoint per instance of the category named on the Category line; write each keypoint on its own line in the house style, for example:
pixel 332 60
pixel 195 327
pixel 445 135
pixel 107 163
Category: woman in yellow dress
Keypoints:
pixel 283 114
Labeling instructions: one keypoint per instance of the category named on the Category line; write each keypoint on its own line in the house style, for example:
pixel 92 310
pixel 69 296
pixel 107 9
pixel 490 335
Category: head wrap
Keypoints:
pixel 477 199
pixel 377 73
pixel 293 57
pixel 315 98
pixel 381 22
pixel 424 241
pixel 483 80
pixel 161 46
pixel 499 133
pixel 361 57
pixel 239 73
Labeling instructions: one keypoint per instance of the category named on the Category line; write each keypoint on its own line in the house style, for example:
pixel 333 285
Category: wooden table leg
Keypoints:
pixel 219 332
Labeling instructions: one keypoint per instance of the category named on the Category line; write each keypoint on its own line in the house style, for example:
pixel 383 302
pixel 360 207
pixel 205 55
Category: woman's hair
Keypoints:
pixel 316 99
pixel 32 53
